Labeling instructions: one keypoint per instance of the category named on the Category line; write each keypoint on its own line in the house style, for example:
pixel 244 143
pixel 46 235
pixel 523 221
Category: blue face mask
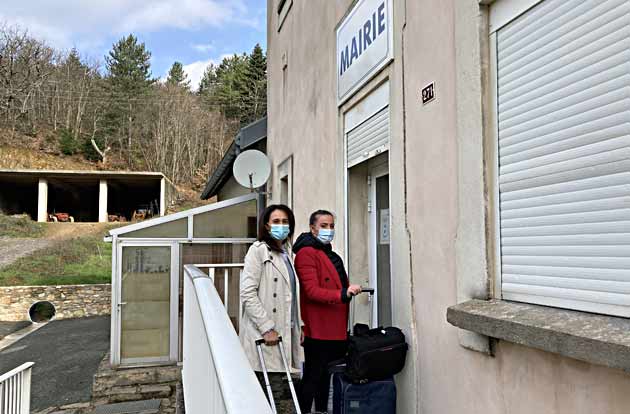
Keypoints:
pixel 279 231
pixel 326 236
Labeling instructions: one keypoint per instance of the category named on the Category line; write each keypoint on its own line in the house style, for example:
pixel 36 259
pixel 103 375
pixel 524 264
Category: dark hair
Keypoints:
pixel 315 216
pixel 263 233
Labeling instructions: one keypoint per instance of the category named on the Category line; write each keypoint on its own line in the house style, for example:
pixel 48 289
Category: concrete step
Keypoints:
pixel 133 407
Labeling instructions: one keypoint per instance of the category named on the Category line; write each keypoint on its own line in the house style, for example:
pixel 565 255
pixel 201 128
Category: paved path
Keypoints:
pixel 7 328
pixel 66 355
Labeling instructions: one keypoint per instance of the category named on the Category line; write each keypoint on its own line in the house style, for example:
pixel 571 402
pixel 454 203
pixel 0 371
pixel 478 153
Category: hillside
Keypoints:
pixel 26 158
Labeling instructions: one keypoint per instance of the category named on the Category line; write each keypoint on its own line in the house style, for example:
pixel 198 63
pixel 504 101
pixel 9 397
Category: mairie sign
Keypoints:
pixel 364 45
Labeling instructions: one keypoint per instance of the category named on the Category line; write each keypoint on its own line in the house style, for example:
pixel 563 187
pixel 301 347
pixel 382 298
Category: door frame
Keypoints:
pixel 174 305
pixel 374 172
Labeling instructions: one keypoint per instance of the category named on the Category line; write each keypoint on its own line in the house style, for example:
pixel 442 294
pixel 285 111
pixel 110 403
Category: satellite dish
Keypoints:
pixel 251 169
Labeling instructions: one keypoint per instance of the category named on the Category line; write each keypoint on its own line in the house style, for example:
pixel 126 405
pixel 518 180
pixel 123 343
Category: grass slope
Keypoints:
pixel 20 226
pixel 82 260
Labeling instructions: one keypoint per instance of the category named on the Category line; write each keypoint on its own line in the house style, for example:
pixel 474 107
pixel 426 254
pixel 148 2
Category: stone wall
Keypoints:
pixel 134 384
pixel 71 301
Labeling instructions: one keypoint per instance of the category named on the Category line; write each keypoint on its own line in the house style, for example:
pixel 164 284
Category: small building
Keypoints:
pixel 86 196
pixel 222 183
pixel 148 262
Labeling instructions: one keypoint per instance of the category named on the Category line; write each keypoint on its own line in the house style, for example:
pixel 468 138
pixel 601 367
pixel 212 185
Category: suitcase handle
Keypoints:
pixel 371 292
pixel 262 341
pixel 272 403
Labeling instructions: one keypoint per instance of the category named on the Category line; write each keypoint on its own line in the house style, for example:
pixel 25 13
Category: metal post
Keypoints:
pixel 225 291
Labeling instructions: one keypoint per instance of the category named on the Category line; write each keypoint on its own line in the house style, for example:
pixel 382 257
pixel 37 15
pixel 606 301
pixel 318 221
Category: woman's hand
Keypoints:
pixel 271 338
pixel 353 290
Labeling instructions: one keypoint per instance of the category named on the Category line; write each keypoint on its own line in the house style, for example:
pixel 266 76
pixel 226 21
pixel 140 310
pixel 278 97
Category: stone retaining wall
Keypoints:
pixel 71 301
pixel 112 386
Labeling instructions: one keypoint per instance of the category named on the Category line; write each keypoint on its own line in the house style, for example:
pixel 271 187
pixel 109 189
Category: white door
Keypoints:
pixel 380 262
pixel 147 303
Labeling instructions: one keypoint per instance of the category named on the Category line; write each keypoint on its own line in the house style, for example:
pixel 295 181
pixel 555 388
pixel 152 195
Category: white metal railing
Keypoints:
pixel 216 375
pixel 15 390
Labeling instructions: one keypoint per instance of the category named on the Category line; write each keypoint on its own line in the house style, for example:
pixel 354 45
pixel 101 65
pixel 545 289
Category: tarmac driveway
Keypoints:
pixel 7 328
pixel 66 355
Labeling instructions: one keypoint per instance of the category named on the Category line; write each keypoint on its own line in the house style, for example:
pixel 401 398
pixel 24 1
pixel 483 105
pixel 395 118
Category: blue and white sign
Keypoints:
pixel 364 45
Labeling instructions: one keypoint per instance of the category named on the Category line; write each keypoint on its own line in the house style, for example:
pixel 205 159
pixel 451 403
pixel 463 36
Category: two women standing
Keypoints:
pixel 277 299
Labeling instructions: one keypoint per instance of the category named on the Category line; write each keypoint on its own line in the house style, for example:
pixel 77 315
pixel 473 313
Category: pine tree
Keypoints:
pixel 129 79
pixel 128 65
pixel 255 94
pixel 177 76
pixel 208 81
pixel 231 85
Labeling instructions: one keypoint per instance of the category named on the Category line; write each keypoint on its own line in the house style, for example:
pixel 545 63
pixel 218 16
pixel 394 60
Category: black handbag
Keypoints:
pixel 375 354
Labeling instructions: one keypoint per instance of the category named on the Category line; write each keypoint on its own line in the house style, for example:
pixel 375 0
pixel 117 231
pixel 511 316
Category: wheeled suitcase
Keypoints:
pixel 350 397
pixel 272 403
pixel 378 397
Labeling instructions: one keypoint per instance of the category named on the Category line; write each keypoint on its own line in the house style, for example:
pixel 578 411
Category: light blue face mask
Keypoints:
pixel 279 231
pixel 326 236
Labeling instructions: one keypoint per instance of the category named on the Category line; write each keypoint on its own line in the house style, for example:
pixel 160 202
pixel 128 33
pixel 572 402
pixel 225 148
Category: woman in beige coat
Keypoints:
pixel 270 297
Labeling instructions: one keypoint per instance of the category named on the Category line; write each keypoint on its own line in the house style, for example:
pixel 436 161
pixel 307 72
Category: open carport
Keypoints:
pixel 86 196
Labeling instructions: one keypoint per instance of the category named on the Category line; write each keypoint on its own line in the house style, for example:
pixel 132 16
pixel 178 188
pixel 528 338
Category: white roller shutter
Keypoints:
pixel 563 84
pixel 369 138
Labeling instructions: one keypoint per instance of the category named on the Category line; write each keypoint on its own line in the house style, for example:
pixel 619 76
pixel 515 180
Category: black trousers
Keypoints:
pixel 316 380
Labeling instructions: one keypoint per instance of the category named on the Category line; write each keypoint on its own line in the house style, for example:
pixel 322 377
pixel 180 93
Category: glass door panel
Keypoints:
pixel 145 303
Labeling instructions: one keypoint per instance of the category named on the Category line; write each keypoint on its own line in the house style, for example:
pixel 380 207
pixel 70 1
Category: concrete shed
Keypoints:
pixel 88 196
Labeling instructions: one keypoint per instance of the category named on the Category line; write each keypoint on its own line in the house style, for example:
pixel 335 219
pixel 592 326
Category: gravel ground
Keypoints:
pixel 13 249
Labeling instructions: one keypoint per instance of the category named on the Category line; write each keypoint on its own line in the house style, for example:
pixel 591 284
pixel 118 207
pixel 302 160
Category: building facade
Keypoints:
pixel 397 115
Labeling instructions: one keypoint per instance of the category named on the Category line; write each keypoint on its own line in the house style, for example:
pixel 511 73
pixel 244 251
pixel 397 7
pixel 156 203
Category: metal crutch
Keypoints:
pixel 287 370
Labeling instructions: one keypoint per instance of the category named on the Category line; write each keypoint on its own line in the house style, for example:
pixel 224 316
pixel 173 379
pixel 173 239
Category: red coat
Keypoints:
pixel 325 316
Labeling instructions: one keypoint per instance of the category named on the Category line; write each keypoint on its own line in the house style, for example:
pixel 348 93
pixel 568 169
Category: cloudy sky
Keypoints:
pixel 194 32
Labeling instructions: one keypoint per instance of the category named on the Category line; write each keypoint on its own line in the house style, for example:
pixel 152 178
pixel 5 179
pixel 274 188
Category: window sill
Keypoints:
pixel 596 339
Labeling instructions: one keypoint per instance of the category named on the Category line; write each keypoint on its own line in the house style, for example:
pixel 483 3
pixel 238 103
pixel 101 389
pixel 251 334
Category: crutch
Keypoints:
pixel 259 344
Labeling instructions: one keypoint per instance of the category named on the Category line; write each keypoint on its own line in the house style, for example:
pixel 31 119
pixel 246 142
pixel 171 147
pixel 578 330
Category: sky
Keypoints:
pixel 193 32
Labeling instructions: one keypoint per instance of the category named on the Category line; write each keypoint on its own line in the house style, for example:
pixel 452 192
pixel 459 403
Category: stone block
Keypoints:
pixel 156 390
pixel 75 406
pixel 121 390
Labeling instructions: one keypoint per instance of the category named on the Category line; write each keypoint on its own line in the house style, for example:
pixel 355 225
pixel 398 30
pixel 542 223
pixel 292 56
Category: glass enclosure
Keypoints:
pixel 147 297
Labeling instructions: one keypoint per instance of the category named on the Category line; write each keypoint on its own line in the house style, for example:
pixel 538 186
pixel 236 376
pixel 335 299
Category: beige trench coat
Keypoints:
pixel 266 298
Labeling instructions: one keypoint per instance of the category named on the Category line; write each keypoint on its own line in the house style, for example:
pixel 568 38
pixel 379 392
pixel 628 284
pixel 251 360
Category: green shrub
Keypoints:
pixel 67 144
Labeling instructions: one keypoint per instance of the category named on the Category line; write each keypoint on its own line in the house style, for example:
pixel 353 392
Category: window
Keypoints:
pixel 285 172
pixel 563 126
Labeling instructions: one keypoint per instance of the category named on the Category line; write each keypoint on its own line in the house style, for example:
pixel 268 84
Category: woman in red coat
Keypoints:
pixel 325 293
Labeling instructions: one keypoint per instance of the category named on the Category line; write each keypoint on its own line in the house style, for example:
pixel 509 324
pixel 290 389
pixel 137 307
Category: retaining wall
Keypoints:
pixel 71 301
